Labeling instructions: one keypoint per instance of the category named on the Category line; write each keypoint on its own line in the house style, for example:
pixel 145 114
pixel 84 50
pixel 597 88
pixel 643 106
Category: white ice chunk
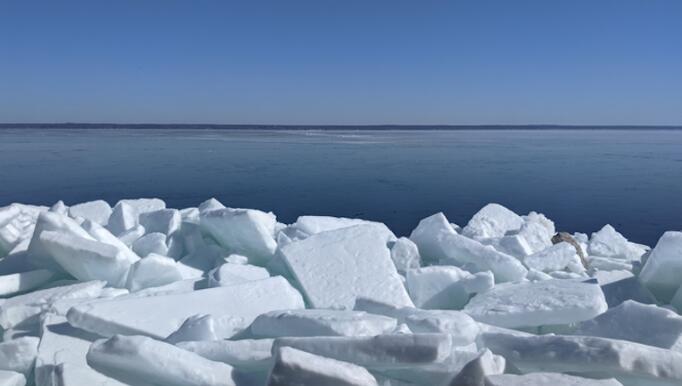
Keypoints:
pixel 96 211
pixel 38 254
pixel 463 330
pixel 513 245
pixel 544 379
pixel 123 218
pixel 87 259
pixel 195 328
pixel 144 205
pixel 335 267
pixel 549 302
pixel 25 308
pixel 296 367
pixel 229 274
pixel 159 316
pixel 315 224
pixel 61 208
pixel 12 378
pixel 405 255
pixel 609 243
pixel 151 243
pixel 662 273
pixel 493 220
pixel 244 231
pixel 134 358
pixel 436 239
pixel 554 258
pixel 444 287
pixel 19 354
pixel 131 235
pixel 319 322
pixel 164 221
pixel 153 271
pixel 541 219
pixel 637 322
pixel 253 354
pixel 24 281
pixel 628 362
pixel 474 372
pixel 210 204
pixel 608 263
pixel 376 352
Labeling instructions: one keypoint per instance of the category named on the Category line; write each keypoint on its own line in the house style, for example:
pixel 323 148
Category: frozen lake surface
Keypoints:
pixel 582 179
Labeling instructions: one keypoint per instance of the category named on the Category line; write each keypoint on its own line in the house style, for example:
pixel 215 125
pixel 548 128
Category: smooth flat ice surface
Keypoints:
pixel 335 267
pixel 548 302
pixel 630 363
pixel 378 352
pixel 320 323
pixel 143 359
pixel 246 353
pixel 643 323
pixel 159 316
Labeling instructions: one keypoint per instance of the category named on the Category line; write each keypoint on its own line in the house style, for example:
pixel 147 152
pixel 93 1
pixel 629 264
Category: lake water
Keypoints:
pixel 582 179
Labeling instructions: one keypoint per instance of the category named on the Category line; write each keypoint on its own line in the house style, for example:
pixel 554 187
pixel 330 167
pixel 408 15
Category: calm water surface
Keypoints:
pixel 581 179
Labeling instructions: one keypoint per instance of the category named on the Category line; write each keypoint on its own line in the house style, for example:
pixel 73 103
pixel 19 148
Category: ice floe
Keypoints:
pixel 141 294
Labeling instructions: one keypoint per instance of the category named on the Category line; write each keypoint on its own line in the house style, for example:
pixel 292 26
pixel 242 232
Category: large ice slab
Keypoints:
pixel 248 354
pixel 133 359
pixel 630 363
pixel 97 211
pixel 636 322
pixel 37 252
pixel 662 273
pixel 493 220
pixel 607 242
pixel 296 367
pixel 240 303
pixel 19 354
pixel 230 274
pixel 320 323
pixel 315 224
pixel 244 231
pixel 558 257
pixel 549 302
pixel 445 287
pixel 544 379
pixel 377 352
pixel 153 271
pixel 333 268
pixel 164 221
pixel 87 259
pixel 27 307
pixel 463 330
pixel 438 241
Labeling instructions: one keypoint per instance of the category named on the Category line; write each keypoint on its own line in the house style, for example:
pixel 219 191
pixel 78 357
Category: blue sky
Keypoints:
pixel 342 62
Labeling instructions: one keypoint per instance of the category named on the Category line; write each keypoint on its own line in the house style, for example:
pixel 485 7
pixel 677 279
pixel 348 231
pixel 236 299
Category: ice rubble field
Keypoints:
pixel 139 294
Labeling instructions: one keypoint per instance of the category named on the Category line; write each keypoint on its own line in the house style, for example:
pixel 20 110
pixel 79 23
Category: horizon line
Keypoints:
pixel 256 126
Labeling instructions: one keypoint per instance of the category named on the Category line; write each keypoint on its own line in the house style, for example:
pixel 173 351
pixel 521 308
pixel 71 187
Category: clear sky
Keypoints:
pixel 342 61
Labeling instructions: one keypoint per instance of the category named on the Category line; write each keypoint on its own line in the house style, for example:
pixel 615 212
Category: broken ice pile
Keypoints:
pixel 141 294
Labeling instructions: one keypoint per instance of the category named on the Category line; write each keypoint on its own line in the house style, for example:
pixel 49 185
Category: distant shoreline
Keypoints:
pixel 193 126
